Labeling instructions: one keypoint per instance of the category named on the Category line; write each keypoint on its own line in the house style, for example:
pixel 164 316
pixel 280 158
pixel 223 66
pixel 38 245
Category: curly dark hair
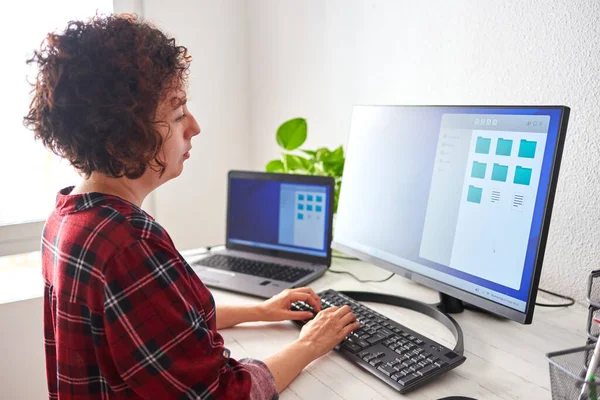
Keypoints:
pixel 97 91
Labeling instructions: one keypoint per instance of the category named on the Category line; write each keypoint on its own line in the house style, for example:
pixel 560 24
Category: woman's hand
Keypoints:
pixel 278 307
pixel 328 329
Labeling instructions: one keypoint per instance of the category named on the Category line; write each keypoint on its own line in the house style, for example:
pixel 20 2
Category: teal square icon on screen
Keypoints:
pixel 308 207
pixel 300 216
pixel 522 176
pixel 319 199
pixel 483 145
pixel 474 194
pixel 478 170
pixel 527 148
pixel 319 208
pixel 504 147
pixel 499 172
pixel 309 197
pixel 300 197
pixel 300 206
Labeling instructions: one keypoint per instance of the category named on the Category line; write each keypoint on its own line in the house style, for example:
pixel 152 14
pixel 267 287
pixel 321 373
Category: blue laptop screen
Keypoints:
pixel 284 216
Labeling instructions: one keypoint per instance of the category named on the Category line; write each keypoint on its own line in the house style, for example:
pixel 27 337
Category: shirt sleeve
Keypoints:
pixel 158 336
pixel 263 383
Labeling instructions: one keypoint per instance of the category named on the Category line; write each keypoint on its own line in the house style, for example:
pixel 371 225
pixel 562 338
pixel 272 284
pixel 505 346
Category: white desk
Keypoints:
pixel 505 360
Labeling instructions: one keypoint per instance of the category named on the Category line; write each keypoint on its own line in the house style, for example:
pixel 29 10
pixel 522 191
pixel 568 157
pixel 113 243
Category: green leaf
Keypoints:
pixel 335 168
pixel 322 154
pixel 292 134
pixel 274 166
pixel 296 163
pixel 336 155
pixel 309 152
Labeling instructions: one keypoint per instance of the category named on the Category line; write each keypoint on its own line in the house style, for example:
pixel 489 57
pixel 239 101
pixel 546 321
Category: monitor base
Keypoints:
pixel 452 305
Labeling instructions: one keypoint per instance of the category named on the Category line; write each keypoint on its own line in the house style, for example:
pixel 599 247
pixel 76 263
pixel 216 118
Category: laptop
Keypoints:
pixel 279 230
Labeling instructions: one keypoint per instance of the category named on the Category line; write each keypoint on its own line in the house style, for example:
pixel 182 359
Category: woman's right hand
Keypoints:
pixel 328 329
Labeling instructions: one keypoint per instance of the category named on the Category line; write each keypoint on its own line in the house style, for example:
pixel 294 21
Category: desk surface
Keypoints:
pixel 505 360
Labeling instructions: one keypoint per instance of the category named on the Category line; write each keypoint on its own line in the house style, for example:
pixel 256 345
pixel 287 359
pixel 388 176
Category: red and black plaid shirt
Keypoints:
pixel 124 314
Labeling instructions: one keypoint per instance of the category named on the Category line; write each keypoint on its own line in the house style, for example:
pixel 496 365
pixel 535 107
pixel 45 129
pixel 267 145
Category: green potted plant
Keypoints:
pixel 294 160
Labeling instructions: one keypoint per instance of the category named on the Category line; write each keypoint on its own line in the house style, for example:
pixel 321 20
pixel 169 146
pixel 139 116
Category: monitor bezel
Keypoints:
pixel 284 178
pixel 523 317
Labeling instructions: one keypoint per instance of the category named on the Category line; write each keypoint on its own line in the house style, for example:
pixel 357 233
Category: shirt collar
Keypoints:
pixel 67 203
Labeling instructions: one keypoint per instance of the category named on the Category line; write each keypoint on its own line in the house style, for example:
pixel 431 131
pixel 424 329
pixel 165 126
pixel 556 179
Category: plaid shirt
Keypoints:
pixel 124 314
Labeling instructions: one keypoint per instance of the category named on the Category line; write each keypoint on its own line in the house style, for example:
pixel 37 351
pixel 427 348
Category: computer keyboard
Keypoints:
pixel 393 353
pixel 276 272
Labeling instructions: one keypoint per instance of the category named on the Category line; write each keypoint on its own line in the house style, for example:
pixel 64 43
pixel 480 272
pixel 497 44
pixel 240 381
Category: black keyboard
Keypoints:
pixel 276 272
pixel 393 353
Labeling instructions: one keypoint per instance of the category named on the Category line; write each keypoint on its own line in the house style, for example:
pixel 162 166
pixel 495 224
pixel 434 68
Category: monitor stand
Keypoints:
pixel 452 305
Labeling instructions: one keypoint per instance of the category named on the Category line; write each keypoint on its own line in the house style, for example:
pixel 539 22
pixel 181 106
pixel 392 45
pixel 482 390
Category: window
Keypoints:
pixel 31 175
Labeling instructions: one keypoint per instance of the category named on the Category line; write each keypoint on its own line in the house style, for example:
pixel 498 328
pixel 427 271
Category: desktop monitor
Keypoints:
pixel 457 198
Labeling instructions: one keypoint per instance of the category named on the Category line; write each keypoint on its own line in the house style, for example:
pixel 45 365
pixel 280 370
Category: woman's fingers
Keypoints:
pixel 313 295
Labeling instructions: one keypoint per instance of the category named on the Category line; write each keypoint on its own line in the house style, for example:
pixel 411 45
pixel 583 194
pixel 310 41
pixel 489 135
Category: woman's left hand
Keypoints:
pixel 278 307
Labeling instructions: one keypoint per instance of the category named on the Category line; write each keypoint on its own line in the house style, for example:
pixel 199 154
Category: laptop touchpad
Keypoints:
pixel 211 275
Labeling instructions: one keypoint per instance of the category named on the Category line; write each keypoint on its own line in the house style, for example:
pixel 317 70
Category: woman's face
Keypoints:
pixel 182 126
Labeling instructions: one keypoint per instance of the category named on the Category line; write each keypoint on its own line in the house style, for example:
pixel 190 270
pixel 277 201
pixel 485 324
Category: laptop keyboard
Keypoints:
pixel 276 272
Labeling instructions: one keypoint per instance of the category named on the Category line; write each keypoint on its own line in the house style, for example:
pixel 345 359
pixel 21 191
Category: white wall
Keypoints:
pixel 316 58
pixel 22 366
pixel 192 207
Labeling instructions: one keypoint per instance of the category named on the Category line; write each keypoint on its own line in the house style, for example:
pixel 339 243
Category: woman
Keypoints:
pixel 124 315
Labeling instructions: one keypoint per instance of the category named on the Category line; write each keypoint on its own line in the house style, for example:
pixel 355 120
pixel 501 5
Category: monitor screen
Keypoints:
pixel 455 194
pixel 279 215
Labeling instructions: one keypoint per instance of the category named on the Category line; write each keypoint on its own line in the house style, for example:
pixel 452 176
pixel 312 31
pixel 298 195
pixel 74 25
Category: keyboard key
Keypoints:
pixel 363 354
pixel 415 368
pixel 427 369
pixel 369 357
pixel 375 362
pixel 396 376
pixel 353 348
pixel 387 369
pixel 385 332
pixel 376 338
pixel 407 379
pixel 395 362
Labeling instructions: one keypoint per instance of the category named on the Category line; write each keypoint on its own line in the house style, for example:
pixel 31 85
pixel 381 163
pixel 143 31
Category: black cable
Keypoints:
pixel 571 301
pixel 361 280
pixel 345 257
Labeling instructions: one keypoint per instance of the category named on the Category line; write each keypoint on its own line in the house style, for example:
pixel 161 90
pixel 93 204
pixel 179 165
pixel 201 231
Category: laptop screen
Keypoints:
pixel 287 216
